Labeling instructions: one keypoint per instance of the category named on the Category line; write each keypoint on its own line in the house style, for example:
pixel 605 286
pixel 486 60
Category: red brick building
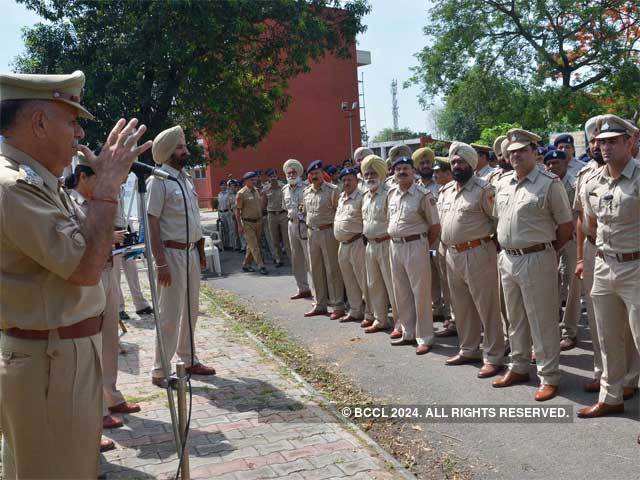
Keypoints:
pixel 313 127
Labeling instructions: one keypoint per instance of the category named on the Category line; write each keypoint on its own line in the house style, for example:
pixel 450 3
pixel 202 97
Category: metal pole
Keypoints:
pixel 181 373
pixel 143 220
pixel 350 135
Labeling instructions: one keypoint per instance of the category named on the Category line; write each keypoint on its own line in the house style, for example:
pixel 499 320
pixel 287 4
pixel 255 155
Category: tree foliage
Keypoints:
pixel 219 68
pixel 389 134
pixel 574 43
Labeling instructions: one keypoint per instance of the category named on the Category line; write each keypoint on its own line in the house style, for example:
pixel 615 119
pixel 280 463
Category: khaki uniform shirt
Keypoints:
pixel 249 203
pixel 166 202
pixel 292 200
pixel 584 176
pixel 411 212
pixel 529 211
pixel 574 167
pixel 430 186
pixel 616 206
pixel 466 212
pixel 485 172
pixel 274 199
pixel 374 213
pixel 320 205
pixel 348 220
pixel 41 245
pixel 569 182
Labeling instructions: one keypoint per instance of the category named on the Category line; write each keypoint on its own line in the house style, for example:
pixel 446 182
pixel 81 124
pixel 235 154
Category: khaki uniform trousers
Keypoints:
pixel 327 279
pixel 569 290
pixel 616 302
pixel 173 312
pixel 266 241
pixel 51 397
pixel 230 228
pixel 110 338
pixel 299 254
pixel 379 283
pixel 351 258
pixel 252 232
pixel 411 275
pixel 130 267
pixel 531 295
pixel 279 233
pixel 439 285
pixel 476 302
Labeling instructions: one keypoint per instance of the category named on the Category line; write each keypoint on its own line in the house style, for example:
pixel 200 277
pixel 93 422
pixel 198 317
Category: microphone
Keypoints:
pixel 145 170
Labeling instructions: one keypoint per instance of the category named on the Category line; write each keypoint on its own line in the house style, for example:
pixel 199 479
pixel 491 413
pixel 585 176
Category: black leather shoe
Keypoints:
pixel 124 316
pixel 144 311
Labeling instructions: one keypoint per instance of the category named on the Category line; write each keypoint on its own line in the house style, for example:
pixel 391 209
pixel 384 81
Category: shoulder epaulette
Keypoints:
pixel 29 176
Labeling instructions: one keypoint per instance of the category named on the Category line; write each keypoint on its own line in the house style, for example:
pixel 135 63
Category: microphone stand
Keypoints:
pixel 166 368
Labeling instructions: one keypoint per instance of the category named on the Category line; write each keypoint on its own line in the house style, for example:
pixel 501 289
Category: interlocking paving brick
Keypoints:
pixel 247 422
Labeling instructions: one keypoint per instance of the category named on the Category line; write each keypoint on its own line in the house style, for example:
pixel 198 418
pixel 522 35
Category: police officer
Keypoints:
pixel 173 247
pixel 347 228
pixel 226 216
pixel 249 220
pixel 613 212
pixel 319 203
pixel 359 154
pixel 276 216
pixel 51 300
pixel 556 161
pixel 534 222
pixel 395 152
pixel 565 143
pixel 484 170
pixel 297 228
pixel 413 226
pixel 377 257
pixel 465 207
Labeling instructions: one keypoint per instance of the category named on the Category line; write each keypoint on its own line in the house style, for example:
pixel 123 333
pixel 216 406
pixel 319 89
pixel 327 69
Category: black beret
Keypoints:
pixel 315 165
pixel 348 171
pixel 249 175
pixel 564 138
pixel 551 154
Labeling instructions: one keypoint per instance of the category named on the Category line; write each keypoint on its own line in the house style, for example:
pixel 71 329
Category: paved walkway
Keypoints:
pixel 231 435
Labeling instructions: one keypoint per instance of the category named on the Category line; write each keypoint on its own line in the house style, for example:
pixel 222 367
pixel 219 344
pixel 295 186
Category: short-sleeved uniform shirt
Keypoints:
pixel 466 211
pixel 249 202
pixel 529 211
pixel 584 176
pixel 615 203
pixel 167 203
pixel 430 186
pixel 374 213
pixel 42 245
pixel 274 199
pixel 485 172
pixel 348 220
pixel 411 212
pixel 292 200
pixel 224 201
pixel 320 205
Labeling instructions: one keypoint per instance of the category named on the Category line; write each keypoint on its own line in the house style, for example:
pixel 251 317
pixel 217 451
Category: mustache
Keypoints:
pixel 402 175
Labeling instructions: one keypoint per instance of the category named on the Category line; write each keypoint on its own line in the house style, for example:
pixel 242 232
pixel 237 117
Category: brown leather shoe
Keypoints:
pixel 375 329
pixel 106 444
pixel 460 360
pixel 109 421
pixel 446 332
pixel 592 387
pixel 125 407
pixel 337 314
pixel 159 382
pixel 545 392
pixel 422 349
pixel 395 334
pixel 567 344
pixel 628 393
pixel 600 409
pixel 511 378
pixel 300 295
pixel 200 369
pixel 489 370
pixel 366 323
pixel 316 313
pixel 400 342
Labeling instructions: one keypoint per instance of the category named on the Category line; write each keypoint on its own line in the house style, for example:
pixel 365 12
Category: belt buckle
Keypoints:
pixel 620 257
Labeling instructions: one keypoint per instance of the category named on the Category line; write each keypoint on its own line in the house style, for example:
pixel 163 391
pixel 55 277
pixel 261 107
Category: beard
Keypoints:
pixel 462 175
pixel 373 184
pixel 426 174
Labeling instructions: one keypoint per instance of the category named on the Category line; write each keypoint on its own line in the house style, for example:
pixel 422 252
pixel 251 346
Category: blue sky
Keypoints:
pixel 394 34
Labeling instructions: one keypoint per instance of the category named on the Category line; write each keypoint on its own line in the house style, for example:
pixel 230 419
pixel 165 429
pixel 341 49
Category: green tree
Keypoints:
pixel 489 134
pixel 573 44
pixel 389 134
pixel 219 68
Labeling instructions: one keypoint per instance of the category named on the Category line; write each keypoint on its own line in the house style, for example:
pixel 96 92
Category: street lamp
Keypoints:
pixel 350 109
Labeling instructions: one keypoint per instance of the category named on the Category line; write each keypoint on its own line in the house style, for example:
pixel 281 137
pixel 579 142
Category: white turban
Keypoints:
pixel 591 127
pixel 295 164
pixel 165 144
pixel 464 151
pixel 374 162
pixel 360 153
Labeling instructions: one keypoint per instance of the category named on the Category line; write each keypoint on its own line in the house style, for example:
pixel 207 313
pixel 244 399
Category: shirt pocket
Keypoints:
pixel 175 198
pixel 628 205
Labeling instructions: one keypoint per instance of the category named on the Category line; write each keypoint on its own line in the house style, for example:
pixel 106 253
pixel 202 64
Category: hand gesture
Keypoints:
pixel 164 276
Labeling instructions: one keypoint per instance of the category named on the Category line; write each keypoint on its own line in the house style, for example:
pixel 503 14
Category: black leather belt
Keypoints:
pixel 538 247
pixel 409 238
pixel 621 257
